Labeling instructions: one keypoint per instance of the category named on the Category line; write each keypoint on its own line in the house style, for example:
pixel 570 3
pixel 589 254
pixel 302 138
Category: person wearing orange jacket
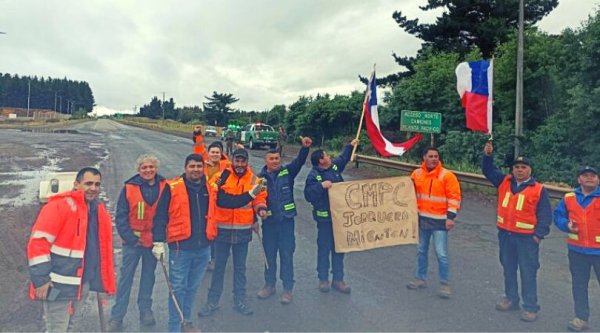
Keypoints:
pixel 524 218
pixel 578 214
pixel 185 221
pixel 215 161
pixel 70 252
pixel 198 139
pixel 438 202
pixel 136 211
pixel 240 196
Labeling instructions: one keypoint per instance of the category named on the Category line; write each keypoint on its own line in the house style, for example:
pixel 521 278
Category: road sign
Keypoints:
pixel 421 122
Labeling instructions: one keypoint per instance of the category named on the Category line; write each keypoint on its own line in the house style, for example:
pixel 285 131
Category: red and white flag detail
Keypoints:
pixel 384 147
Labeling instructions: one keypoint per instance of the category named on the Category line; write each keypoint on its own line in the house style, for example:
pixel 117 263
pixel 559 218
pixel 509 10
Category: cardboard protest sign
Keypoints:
pixel 373 213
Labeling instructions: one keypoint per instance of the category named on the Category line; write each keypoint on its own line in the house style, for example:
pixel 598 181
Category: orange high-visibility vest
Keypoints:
pixel 243 217
pixel 438 192
pixel 180 223
pixel 517 212
pixel 587 220
pixel 141 215
pixel 57 244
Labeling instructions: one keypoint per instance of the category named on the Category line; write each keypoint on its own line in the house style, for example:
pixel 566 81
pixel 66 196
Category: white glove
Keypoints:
pixel 158 250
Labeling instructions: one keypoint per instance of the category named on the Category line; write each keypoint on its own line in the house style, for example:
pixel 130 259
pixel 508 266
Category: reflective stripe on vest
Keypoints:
pixel 520 200
pixel 41 234
pixel 524 225
pixel 72 280
pixel 66 252
pixel 39 260
pixel 289 206
pixel 141 208
pixel 506 199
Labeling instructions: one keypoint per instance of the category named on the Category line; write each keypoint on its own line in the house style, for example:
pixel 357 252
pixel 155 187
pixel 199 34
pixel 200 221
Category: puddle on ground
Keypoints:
pixel 49 130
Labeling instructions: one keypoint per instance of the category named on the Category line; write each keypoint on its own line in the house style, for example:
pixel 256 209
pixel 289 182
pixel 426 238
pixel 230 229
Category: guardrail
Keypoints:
pixel 555 192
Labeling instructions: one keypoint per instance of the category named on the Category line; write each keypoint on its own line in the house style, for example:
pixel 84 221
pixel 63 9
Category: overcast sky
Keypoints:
pixel 263 52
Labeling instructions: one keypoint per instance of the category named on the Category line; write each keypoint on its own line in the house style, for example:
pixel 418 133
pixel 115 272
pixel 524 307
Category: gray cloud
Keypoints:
pixel 264 52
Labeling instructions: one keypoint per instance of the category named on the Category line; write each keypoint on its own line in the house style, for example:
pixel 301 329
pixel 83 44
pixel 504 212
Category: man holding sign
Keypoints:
pixel 324 173
pixel 438 201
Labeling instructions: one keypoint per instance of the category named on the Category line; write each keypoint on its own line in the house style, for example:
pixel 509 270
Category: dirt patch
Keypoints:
pixel 26 157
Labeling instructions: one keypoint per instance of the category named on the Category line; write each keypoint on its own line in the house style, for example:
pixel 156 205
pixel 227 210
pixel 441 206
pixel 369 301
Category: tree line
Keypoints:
pixel 561 94
pixel 61 95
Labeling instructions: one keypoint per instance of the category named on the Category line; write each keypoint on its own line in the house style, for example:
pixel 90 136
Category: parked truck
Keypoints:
pixel 258 134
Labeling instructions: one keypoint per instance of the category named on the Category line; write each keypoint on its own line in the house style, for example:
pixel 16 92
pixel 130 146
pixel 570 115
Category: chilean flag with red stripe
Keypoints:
pixel 474 85
pixel 384 147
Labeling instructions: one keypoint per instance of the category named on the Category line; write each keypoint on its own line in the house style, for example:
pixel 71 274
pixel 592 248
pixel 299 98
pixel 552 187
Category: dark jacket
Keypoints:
pixel 314 191
pixel 280 188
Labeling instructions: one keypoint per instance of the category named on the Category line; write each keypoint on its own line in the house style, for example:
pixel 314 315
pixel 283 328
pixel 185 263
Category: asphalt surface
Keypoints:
pixel 379 299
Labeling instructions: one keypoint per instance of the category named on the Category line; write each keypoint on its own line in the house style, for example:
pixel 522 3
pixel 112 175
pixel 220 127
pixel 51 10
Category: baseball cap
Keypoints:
pixel 585 169
pixel 521 160
pixel 240 153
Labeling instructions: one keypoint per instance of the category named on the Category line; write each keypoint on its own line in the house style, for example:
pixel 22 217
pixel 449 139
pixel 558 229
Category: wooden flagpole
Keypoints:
pixel 362 116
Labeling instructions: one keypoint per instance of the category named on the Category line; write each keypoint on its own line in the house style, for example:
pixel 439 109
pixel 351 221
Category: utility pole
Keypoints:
pixel 55 99
pixel 519 89
pixel 28 96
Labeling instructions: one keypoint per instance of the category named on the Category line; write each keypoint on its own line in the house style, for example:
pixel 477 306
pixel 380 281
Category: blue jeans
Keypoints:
pixel 222 250
pixel 440 244
pixel 278 236
pixel 186 270
pixel 522 253
pixel 131 257
pixel 326 248
pixel 581 266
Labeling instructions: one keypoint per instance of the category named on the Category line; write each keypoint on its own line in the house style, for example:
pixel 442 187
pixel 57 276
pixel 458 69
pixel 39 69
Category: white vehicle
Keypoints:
pixel 56 182
pixel 210 131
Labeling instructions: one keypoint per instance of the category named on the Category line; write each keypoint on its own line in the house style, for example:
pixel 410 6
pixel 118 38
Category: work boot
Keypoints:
pixel 286 297
pixel 265 292
pixel 578 325
pixel 444 291
pixel 115 326
pixel 528 316
pixel 207 309
pixel 341 286
pixel 324 286
pixel 416 284
pixel 243 308
pixel 505 304
pixel 211 266
pixel 147 318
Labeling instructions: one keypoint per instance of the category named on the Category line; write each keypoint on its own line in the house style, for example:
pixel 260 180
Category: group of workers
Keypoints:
pixel 212 209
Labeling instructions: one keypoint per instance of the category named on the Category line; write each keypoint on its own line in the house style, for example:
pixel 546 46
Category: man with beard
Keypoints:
pixel 240 196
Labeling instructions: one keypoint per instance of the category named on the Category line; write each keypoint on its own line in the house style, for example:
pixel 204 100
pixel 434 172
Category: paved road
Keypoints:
pixel 379 299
